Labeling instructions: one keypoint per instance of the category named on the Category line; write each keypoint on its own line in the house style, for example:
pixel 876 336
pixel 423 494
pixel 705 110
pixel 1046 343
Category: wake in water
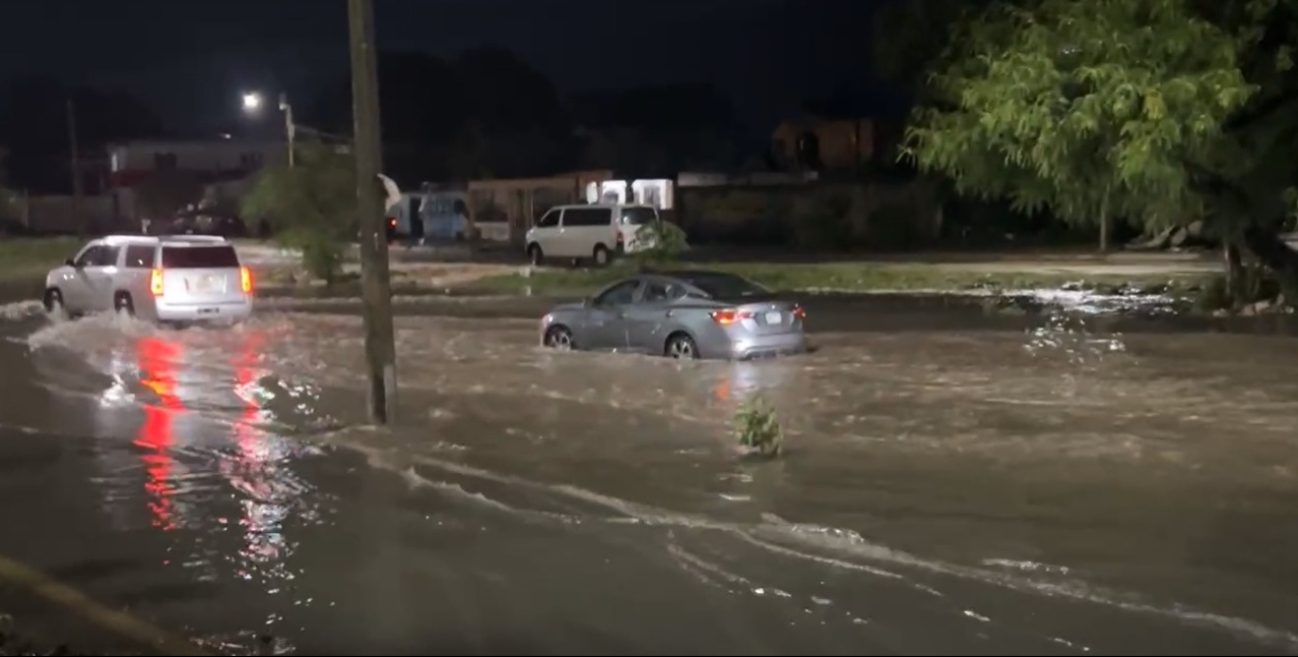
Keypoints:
pixel 21 310
pixel 625 449
pixel 833 549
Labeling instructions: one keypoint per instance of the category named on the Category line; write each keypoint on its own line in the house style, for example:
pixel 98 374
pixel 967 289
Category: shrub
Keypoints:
pixel 758 428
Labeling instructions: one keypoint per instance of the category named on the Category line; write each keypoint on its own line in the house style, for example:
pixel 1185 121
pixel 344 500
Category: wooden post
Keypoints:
pixel 1105 222
pixel 74 163
pixel 376 286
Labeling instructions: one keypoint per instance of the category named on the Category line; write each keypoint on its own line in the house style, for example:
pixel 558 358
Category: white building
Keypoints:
pixel 131 162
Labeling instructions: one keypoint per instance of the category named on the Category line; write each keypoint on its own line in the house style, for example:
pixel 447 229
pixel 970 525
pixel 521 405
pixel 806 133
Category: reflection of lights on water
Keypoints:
pixel 156 359
pixel 1067 334
pixel 258 473
pixel 741 380
pixel 254 467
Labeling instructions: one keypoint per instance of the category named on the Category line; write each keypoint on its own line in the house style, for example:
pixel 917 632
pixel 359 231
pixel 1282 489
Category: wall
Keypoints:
pixel 54 214
pixel 871 215
pixel 508 208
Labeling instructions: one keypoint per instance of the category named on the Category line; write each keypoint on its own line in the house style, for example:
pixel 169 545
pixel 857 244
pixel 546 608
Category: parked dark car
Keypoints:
pixel 205 224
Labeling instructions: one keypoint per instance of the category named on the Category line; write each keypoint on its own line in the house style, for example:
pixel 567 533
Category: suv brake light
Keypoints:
pixel 155 282
pixel 245 280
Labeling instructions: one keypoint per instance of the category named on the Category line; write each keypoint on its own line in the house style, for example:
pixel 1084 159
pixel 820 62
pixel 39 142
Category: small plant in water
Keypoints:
pixel 758 428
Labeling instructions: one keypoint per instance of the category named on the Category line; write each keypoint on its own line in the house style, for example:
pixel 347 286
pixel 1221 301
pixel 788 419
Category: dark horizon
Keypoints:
pixel 767 56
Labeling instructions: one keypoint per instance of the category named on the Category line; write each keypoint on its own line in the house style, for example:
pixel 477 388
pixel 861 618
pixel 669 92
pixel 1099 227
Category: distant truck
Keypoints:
pixel 433 214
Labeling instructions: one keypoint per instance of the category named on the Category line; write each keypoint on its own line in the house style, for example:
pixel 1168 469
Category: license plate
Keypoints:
pixel 774 318
pixel 209 311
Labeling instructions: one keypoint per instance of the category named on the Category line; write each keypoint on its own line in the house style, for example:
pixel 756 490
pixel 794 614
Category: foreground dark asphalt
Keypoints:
pixel 955 484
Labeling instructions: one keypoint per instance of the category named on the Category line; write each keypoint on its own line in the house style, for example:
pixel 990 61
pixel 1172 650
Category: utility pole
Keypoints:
pixel 290 128
pixel 74 161
pixel 376 288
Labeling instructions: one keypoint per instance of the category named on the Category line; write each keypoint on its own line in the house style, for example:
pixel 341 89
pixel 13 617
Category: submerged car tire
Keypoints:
pixel 123 304
pixel 681 347
pixel 558 337
pixel 54 302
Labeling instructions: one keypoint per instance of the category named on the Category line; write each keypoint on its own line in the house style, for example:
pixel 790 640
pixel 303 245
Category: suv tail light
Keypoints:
pixel 728 317
pixel 155 282
pixel 245 280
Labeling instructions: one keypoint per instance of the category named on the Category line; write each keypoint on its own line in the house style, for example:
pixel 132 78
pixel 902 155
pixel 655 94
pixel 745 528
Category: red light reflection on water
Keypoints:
pixel 156 359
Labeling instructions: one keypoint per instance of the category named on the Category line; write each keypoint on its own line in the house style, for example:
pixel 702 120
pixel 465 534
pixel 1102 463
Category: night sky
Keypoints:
pixel 191 58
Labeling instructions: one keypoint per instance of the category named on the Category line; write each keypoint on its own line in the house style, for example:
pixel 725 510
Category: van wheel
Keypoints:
pixel 602 255
pixel 123 304
pixel 535 255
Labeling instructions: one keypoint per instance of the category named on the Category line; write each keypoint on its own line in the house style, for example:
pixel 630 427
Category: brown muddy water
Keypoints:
pixel 958 482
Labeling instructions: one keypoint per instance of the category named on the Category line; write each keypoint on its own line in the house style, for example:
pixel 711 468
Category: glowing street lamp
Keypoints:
pixel 252 104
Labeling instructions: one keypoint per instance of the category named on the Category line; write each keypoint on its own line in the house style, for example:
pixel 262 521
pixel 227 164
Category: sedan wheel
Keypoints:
pixel 682 347
pixel 559 337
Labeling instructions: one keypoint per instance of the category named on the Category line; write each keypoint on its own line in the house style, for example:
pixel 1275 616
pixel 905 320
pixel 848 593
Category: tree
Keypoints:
pixel 472 112
pixel 311 205
pixel 166 192
pixel 33 124
pixel 910 36
pixel 1088 109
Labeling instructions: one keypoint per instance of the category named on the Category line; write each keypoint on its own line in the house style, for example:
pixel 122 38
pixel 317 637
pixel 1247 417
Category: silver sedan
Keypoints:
pixel 684 314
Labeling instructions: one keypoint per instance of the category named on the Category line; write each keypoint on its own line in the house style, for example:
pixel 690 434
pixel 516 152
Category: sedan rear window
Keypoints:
pixel 726 287
pixel 199 257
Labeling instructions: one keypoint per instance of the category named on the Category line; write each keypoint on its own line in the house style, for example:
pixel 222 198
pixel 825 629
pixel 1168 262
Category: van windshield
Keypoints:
pixel 638 216
pixel 199 257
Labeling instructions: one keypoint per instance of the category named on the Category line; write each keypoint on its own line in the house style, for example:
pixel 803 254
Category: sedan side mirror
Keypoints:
pixel 587 302
pixel 70 262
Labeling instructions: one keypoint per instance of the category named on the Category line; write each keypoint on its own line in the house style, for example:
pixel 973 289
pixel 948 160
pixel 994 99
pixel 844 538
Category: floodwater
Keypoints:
pixel 955 483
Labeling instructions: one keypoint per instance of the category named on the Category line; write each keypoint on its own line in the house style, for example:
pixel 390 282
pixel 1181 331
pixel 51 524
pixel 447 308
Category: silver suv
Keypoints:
pixel 165 279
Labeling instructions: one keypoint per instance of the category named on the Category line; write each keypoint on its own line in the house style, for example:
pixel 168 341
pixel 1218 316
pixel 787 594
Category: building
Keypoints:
pixel 814 143
pixel 129 163
pixel 502 210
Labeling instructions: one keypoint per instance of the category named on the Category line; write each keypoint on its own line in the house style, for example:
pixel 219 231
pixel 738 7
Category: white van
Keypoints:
pixel 597 231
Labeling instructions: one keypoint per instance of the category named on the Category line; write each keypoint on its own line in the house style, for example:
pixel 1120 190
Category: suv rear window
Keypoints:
pixel 199 257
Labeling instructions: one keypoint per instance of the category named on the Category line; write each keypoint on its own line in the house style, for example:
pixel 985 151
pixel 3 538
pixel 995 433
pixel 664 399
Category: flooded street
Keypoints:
pixel 956 483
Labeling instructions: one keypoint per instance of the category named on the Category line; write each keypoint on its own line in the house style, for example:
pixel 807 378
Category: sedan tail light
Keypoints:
pixel 729 316
pixel 799 313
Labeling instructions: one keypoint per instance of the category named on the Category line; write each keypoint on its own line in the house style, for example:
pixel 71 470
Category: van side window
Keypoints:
pixel 573 217
pixel 550 220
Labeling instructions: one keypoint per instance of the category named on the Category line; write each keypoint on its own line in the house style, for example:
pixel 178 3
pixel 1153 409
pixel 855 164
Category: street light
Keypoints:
pixel 252 103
